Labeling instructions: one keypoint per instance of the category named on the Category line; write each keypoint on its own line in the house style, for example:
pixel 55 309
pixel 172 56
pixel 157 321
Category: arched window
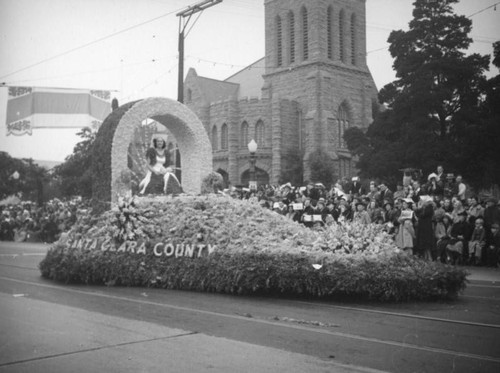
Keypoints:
pixel 341 36
pixel 214 138
pixel 244 135
pixel 329 30
pixel 343 123
pixel 224 137
pixel 259 133
pixel 291 29
pixel 279 42
pixel 305 34
pixel 344 167
pixel 353 39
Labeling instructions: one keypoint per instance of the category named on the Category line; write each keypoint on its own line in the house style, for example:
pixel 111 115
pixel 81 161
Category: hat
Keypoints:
pixel 320 185
pixel 355 178
pixel 407 200
pixel 387 202
pixel 433 175
pixel 462 213
pixel 321 200
pixel 450 175
pixel 360 202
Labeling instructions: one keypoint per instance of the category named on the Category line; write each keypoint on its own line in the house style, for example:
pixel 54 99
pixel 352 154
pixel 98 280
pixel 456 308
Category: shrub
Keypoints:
pixel 257 251
pixel 212 183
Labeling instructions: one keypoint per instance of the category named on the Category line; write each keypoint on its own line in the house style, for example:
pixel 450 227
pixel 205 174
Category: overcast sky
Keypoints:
pixel 130 46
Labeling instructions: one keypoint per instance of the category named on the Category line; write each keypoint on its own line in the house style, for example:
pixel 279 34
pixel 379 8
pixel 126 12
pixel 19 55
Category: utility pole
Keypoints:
pixel 184 18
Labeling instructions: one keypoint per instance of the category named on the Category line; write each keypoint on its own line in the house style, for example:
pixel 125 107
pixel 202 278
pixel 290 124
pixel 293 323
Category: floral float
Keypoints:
pixel 218 244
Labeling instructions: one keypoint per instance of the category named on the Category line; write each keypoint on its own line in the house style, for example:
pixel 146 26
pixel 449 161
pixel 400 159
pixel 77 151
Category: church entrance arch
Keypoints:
pixel 261 176
pixel 111 174
pixel 225 177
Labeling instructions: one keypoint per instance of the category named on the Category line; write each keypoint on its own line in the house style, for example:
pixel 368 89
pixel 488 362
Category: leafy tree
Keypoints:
pixel 75 173
pixel 21 177
pixel 435 102
pixel 10 177
pixel 322 167
pixel 292 169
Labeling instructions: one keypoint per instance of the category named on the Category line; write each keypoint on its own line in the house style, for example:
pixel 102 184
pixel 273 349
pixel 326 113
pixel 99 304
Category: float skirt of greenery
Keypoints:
pixel 217 244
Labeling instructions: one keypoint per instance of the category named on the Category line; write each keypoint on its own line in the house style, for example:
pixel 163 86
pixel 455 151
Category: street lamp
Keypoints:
pixel 252 148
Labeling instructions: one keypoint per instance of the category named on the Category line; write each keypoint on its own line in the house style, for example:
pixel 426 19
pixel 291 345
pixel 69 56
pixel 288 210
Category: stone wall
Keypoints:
pixel 235 159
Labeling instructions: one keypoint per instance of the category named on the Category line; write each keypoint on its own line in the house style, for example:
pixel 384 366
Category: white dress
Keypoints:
pixel 158 168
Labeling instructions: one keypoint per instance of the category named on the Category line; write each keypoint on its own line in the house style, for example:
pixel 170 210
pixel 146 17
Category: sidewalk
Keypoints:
pixel 38 336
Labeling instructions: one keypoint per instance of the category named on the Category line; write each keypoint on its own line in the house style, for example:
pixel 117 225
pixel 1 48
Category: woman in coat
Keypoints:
pixel 406 233
pixel 426 242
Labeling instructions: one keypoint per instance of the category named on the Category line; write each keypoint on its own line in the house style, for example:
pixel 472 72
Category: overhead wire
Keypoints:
pixel 477 38
pixel 138 63
pixel 482 10
pixel 236 4
pixel 95 41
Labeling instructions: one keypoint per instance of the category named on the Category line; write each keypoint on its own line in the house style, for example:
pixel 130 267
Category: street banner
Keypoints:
pixel 37 107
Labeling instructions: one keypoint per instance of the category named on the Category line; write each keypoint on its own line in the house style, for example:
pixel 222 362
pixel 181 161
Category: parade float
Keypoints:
pixel 205 241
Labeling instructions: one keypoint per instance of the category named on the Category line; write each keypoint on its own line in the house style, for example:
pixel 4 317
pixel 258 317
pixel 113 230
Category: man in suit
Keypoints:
pixel 356 189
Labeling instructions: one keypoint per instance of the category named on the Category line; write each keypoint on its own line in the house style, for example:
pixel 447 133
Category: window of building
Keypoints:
pixel 279 42
pixel 189 95
pixel 259 133
pixel 345 167
pixel 329 30
pixel 244 135
pixel 341 36
pixel 353 39
pixel 343 123
pixel 214 138
pixel 224 137
pixel 291 28
pixel 305 35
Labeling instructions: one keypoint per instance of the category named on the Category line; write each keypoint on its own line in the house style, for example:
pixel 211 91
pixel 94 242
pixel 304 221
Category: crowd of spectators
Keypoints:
pixel 436 218
pixel 27 221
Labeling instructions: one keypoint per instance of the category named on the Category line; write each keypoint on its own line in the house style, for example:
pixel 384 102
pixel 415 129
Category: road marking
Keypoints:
pixel 266 322
pixel 484 286
pixel 17 266
pixel 24 254
pixel 407 315
pixel 367 310
pixel 479 297
pixel 96 349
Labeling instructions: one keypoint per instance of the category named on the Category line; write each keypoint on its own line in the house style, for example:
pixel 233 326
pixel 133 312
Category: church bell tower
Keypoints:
pixel 316 68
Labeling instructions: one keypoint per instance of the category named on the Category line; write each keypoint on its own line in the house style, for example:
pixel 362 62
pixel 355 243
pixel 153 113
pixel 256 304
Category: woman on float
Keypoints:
pixel 160 177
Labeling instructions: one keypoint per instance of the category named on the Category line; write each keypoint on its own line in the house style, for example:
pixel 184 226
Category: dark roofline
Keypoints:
pixel 216 80
pixel 239 71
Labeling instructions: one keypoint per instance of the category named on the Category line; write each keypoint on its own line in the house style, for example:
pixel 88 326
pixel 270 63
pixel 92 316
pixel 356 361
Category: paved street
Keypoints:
pixel 52 327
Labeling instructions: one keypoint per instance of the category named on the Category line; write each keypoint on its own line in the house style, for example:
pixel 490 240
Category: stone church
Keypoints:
pixel 312 84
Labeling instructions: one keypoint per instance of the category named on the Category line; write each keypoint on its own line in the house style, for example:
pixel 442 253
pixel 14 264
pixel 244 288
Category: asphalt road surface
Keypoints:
pixel 454 336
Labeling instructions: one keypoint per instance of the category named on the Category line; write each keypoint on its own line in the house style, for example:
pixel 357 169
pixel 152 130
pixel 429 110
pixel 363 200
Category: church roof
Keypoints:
pixel 217 90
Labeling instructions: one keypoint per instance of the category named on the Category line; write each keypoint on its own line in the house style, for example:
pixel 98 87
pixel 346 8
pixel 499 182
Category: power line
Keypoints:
pixel 138 63
pixel 482 10
pixel 89 44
